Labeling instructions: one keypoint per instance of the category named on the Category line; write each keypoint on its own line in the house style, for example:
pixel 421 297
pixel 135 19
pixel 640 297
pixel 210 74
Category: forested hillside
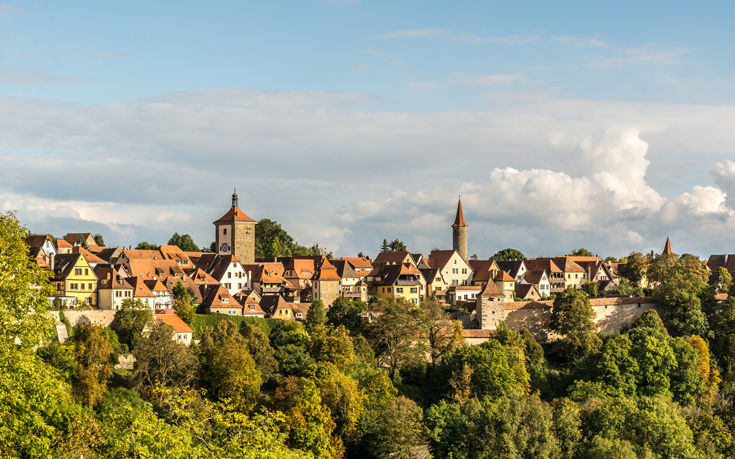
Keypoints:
pixel 384 379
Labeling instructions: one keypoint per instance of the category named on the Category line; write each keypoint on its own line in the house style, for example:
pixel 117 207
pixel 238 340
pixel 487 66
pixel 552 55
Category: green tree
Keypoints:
pixel 573 317
pixel 179 291
pixel 493 369
pixel 384 247
pixel 442 334
pixel 146 246
pixel 615 365
pixel 184 307
pixel 99 240
pixel 228 370
pixel 24 289
pixel 347 312
pixel 271 240
pixel 656 359
pixel 635 268
pixel 592 289
pixel 131 320
pixel 395 331
pixel 396 245
pixel 40 417
pixel 508 255
pixel 721 281
pixel 723 343
pixel 93 353
pixel 341 394
pixel 401 430
pixel 309 423
pixel 289 339
pixel 184 242
pixel 581 252
pixel 260 348
pixel 316 315
pixel 159 360
pixel 333 345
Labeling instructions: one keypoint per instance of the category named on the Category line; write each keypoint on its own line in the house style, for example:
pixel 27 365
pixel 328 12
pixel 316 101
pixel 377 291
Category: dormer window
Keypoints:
pixel 225 300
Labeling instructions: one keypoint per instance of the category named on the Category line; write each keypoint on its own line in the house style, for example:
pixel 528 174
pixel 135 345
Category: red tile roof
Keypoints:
pixel 502 276
pixel 235 214
pixel 174 322
pixel 459 219
pixel 667 247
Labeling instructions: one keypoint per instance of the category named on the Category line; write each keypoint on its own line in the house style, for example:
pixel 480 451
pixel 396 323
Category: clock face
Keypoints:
pixel 224 247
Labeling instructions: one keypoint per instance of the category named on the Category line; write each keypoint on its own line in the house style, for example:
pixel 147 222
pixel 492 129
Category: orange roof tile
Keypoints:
pixel 174 322
pixel 459 219
pixel 235 214
pixel 502 276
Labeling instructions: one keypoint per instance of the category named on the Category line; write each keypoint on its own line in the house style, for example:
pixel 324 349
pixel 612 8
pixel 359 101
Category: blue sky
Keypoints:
pixel 351 121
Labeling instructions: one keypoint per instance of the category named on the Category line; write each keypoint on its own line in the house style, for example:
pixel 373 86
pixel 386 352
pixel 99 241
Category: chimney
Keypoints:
pixel 52 261
pixel 725 260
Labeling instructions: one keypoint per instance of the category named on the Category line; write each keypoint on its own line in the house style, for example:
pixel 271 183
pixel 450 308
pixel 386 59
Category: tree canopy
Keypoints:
pixel 184 242
pixel 508 254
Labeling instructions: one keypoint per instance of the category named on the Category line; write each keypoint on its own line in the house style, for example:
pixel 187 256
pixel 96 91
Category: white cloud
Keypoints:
pixel 26 76
pixel 543 174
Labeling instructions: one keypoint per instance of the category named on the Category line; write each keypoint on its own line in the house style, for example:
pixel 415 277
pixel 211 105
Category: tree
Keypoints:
pixel 508 255
pixel 581 252
pixel 159 360
pixel 635 268
pixel 93 353
pixel 260 348
pixel 227 368
pixel 40 416
pixel 395 331
pixel 723 344
pixel 333 345
pixel 656 359
pixel 131 320
pixel 316 315
pixel 146 246
pixel 573 317
pixel 308 421
pixel 184 242
pixel 289 339
pixel 179 291
pixel 680 283
pixel 721 281
pixel 24 289
pixel 591 288
pixel 384 247
pixel 443 335
pixel 184 307
pixel 347 312
pixel 341 394
pixel 99 240
pixel 271 240
pixel 401 430
pixel 494 369
pixel 397 245
pixel 708 373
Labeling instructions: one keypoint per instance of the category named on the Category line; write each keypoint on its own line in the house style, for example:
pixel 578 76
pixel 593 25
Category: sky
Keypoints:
pixel 561 124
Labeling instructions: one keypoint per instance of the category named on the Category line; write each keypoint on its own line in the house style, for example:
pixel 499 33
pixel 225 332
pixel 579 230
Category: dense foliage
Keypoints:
pixel 384 379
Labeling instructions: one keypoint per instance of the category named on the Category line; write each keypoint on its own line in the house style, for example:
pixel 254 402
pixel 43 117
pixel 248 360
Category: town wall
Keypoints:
pixel 243 244
pixel 95 317
pixel 328 292
pixel 611 315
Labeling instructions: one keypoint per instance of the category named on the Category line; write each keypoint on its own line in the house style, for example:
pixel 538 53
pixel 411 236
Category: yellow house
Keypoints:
pixel 397 281
pixel 74 280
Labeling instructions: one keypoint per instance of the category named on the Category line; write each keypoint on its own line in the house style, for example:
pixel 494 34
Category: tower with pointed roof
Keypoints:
pixel 235 234
pixel 459 232
pixel 667 247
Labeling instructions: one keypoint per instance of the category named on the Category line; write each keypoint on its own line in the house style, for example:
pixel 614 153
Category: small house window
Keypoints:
pixel 224 230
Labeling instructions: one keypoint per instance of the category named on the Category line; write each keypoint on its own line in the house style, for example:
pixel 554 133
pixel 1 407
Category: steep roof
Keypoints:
pixel 37 240
pixel 327 271
pixel 502 276
pixel 175 322
pixel 216 265
pixel 345 269
pixel 392 257
pixel 216 296
pixel 89 256
pixel 235 214
pixel 726 261
pixel 64 263
pixel 459 219
pixel 534 276
pixel 140 290
pixel 510 266
pixel 667 247
pixel 491 289
pixel 359 262
pixel 481 269
pixel 567 265
pixel 440 258
pixel 546 264
pixel 524 290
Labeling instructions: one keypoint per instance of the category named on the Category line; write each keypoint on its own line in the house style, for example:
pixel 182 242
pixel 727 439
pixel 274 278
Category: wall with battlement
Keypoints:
pixel 96 317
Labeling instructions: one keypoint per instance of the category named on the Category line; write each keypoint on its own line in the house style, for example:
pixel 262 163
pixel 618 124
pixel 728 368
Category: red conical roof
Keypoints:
pixel 235 214
pixel 667 247
pixel 459 219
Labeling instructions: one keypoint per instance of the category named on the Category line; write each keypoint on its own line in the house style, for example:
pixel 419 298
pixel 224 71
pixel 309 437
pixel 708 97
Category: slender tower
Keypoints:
pixel 667 247
pixel 459 232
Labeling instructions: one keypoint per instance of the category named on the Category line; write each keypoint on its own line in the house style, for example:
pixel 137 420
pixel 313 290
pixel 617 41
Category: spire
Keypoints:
pixel 667 247
pixel 234 197
pixel 459 219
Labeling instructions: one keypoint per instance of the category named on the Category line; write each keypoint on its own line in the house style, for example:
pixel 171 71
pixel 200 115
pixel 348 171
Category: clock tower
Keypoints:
pixel 235 234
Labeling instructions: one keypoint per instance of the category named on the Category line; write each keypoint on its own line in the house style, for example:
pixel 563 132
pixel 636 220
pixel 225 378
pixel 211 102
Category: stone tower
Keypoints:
pixel 459 232
pixel 235 234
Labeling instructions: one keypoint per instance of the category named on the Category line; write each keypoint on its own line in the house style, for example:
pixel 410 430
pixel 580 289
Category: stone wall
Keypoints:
pixel 96 317
pixel 328 291
pixel 243 242
pixel 611 315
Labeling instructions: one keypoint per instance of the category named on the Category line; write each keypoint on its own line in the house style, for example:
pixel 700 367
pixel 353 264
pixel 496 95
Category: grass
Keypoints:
pixel 210 320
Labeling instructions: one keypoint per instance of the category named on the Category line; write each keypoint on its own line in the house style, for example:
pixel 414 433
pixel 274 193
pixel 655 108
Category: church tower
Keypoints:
pixel 235 234
pixel 459 232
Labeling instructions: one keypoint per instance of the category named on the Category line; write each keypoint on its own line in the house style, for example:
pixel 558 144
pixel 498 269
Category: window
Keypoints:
pixel 81 286
pixel 455 262
pixel 225 300
pixel 77 271
pixel 229 275
pixel 231 312
pixel 464 270
pixel 224 230
pixel 388 289
pixel 239 286
pixel 414 290
pixel 118 294
pixel 399 289
pixel 86 271
pixel 228 286
pixel 90 286
pixel 127 293
pixel 73 286
pixel 413 300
